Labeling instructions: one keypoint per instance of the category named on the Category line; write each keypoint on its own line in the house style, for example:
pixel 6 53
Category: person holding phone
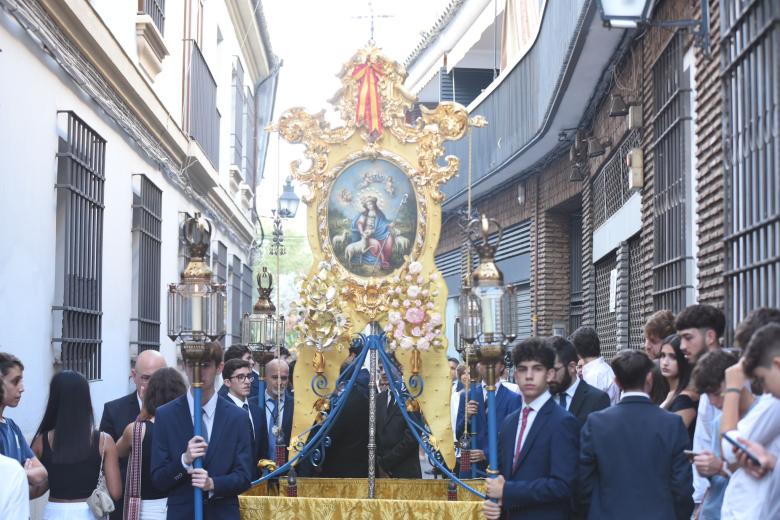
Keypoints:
pixel 707 378
pixel 762 362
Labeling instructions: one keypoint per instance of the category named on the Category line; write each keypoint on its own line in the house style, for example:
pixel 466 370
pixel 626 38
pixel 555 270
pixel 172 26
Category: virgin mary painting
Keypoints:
pixel 372 217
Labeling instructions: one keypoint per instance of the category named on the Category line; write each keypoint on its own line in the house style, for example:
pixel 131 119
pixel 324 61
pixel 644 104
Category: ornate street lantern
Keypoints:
pixel 288 200
pixel 262 330
pixel 196 305
pixel 488 318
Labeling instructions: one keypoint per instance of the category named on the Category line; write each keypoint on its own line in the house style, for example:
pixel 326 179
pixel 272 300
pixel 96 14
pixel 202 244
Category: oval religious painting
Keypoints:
pixel 372 217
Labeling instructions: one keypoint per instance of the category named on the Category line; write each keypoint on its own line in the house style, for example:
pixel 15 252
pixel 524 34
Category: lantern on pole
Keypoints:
pixel 196 317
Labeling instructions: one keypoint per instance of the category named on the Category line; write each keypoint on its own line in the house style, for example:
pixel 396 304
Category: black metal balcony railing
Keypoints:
pixel 203 116
pixel 156 10
pixel 518 108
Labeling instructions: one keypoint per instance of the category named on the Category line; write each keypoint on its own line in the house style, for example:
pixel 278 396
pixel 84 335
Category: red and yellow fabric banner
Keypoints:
pixel 369 109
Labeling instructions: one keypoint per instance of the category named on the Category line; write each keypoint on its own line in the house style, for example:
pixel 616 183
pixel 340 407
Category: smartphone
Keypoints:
pixel 690 454
pixel 743 449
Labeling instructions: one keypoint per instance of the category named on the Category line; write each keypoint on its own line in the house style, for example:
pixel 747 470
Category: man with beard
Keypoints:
pixel 569 391
pixel 700 328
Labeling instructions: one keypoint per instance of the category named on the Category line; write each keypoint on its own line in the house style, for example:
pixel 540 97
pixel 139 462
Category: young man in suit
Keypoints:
pixel 569 391
pixel 398 454
pixel 537 446
pixel 507 401
pixel 242 352
pixel 276 400
pixel 632 461
pixel 237 377
pixel 595 371
pixel 117 414
pixel 224 446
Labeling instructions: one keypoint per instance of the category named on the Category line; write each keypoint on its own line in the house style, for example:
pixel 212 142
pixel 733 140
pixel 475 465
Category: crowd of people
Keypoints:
pixel 687 428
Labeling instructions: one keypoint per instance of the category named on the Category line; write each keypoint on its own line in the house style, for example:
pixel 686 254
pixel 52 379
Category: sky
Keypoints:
pixel 313 39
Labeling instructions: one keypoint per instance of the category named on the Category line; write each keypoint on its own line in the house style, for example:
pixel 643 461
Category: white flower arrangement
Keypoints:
pixel 412 320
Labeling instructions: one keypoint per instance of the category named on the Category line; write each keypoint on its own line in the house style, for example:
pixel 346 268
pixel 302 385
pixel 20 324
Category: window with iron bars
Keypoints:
pixel 147 239
pixel 235 300
pixel 220 270
pixel 672 247
pixel 238 113
pixel 81 160
pixel 750 32
pixel 610 187
pixel 246 290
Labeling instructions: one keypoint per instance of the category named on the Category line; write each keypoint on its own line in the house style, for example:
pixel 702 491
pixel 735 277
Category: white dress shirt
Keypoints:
pixel 635 394
pixel 209 410
pixel 598 373
pixel 269 408
pixel 702 441
pixel 240 403
pixel 14 493
pixel 535 405
pixel 745 495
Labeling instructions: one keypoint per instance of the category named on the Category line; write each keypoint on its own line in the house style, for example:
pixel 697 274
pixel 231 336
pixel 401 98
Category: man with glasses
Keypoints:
pixel 237 377
pixel 242 352
pixel 572 393
pixel 117 414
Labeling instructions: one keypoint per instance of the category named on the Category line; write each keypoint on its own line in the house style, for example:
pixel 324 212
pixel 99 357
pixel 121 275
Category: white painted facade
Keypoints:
pixel 34 88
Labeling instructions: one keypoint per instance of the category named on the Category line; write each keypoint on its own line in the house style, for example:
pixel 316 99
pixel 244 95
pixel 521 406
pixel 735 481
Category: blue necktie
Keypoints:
pixel 562 399
pixel 271 436
pixel 251 429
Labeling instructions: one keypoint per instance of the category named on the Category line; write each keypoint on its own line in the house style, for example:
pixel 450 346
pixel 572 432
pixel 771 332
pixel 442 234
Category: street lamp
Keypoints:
pixel 629 14
pixel 196 316
pixel 488 319
pixel 288 200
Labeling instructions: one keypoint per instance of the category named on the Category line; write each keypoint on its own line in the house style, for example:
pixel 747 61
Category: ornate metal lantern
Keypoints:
pixel 196 305
pixel 288 200
pixel 262 330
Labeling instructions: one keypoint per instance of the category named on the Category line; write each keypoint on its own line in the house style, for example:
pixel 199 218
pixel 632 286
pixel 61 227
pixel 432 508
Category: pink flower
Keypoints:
pixel 407 343
pixel 413 291
pixel 394 316
pixel 418 303
pixel 424 293
pixel 430 336
pixel 407 303
pixel 415 267
pixel 423 344
pixel 394 303
pixel 393 345
pixel 420 279
pixel 435 319
pixel 415 315
pixel 408 278
pixel 417 332
pixel 430 305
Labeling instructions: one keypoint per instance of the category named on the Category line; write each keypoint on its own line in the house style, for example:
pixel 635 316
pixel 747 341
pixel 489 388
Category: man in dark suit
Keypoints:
pixel 348 455
pixel 224 445
pixel 632 463
pixel 398 454
pixel 568 390
pixel 537 446
pixel 507 401
pixel 276 400
pixel 117 414
pixel 237 377
pixel 242 352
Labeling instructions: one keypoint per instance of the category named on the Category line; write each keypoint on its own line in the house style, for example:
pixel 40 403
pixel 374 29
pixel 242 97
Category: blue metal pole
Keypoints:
pixel 492 471
pixel 473 430
pixel 197 430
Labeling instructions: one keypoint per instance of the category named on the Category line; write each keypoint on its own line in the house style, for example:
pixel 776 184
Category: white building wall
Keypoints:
pixel 33 91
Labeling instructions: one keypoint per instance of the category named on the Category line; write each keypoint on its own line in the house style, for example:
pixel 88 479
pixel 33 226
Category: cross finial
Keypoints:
pixel 371 16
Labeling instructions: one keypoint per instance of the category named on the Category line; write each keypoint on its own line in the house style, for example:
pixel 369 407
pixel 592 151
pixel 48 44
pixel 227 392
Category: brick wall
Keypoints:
pixel 709 165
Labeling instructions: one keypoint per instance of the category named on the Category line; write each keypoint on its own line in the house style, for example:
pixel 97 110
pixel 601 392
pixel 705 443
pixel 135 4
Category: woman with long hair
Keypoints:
pixel 682 399
pixel 73 451
pixel 143 501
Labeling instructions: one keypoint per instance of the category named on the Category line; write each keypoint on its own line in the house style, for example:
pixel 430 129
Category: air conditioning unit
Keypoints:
pixel 636 169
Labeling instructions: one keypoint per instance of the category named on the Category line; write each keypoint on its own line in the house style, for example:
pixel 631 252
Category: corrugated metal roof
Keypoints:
pixel 431 34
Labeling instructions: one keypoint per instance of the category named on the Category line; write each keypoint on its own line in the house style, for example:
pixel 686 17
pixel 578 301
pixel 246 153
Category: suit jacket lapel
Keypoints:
pixel 579 398
pixel 540 421
pixel 508 450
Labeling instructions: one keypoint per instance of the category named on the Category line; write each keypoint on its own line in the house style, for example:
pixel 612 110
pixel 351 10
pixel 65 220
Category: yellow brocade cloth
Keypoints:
pixel 337 499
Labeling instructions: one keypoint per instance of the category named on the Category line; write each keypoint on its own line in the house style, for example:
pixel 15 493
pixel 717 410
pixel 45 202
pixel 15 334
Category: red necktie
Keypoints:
pixel 519 443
